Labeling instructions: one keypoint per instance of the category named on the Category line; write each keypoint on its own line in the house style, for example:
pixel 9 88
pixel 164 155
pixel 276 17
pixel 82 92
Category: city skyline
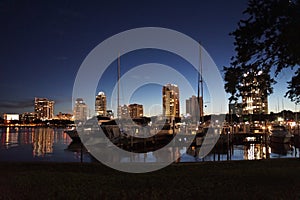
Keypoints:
pixel 44 44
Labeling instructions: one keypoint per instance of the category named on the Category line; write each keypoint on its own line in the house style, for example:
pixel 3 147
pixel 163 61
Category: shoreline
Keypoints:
pixel 259 179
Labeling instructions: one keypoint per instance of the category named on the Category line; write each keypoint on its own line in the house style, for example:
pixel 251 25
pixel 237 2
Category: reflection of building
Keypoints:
pixel 193 108
pixel 9 138
pixel 100 104
pixel 255 99
pixel 43 108
pixel 135 110
pixel 256 152
pixel 43 140
pixel 170 99
pixel 80 110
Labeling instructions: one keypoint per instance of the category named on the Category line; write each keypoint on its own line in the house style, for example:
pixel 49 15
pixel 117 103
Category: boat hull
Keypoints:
pixel 73 134
pixel 280 139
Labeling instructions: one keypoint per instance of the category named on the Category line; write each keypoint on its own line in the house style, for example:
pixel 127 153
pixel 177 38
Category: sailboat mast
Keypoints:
pixel 198 94
pixel 200 84
pixel 118 97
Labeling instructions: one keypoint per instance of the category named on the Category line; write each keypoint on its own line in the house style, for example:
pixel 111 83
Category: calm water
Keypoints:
pixel 37 144
pixel 53 145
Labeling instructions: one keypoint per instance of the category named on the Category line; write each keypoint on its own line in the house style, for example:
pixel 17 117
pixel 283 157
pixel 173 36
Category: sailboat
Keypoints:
pixel 279 134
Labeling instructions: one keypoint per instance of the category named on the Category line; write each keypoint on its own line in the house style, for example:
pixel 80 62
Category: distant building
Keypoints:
pixel 80 110
pixel 10 117
pixel 100 104
pixel 28 117
pixel 64 116
pixel 236 108
pixel 170 99
pixel 123 111
pixel 43 108
pixel 194 108
pixel 135 110
pixel 255 99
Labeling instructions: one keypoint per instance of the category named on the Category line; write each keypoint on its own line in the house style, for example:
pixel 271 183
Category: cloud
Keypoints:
pixel 61 99
pixel 62 104
pixel 17 104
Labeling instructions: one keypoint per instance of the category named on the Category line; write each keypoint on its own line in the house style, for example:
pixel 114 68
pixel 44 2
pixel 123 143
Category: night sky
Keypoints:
pixel 43 43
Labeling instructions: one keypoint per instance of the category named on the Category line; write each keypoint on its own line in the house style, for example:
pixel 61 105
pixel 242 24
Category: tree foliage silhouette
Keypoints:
pixel 267 41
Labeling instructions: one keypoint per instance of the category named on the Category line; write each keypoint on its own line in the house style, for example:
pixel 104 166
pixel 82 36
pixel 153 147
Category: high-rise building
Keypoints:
pixel 43 108
pixel 136 110
pixel 170 100
pixel 80 110
pixel 100 104
pixel 194 107
pixel 255 99
pixel 123 111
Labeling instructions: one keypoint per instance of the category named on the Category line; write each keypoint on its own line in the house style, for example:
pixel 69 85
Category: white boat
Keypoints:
pixel 279 134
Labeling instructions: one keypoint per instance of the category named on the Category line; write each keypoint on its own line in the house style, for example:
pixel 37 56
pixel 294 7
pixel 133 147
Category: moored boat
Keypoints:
pixel 73 134
pixel 280 148
pixel 279 134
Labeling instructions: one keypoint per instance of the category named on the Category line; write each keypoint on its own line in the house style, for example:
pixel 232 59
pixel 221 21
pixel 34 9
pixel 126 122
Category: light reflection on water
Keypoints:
pixel 37 144
pixel 50 144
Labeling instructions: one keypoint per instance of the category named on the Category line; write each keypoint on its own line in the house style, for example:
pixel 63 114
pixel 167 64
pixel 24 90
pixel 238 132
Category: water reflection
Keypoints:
pixel 167 155
pixel 248 151
pixel 253 152
pixel 37 144
pixel 42 141
pixel 9 138
pixel 48 144
pixel 281 149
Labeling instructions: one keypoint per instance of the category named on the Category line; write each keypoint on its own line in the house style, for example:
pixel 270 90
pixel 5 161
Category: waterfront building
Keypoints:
pixel 43 108
pixel 135 110
pixel 8 117
pixel 170 99
pixel 64 116
pixel 80 110
pixel 194 108
pixel 100 104
pixel 254 97
pixel 28 117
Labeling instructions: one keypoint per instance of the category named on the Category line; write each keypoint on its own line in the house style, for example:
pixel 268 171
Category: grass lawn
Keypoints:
pixel 262 179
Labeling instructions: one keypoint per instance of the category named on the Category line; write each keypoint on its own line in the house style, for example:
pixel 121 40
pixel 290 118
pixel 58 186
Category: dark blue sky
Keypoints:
pixel 43 43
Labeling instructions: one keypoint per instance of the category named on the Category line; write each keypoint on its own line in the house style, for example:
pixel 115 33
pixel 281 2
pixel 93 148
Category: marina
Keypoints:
pixel 150 100
pixel 54 145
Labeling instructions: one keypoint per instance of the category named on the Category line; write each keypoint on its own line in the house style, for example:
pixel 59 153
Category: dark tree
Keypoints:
pixel 268 38
pixel 294 88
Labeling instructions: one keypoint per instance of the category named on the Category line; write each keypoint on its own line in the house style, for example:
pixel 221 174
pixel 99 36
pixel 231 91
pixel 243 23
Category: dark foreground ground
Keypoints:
pixel 264 179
